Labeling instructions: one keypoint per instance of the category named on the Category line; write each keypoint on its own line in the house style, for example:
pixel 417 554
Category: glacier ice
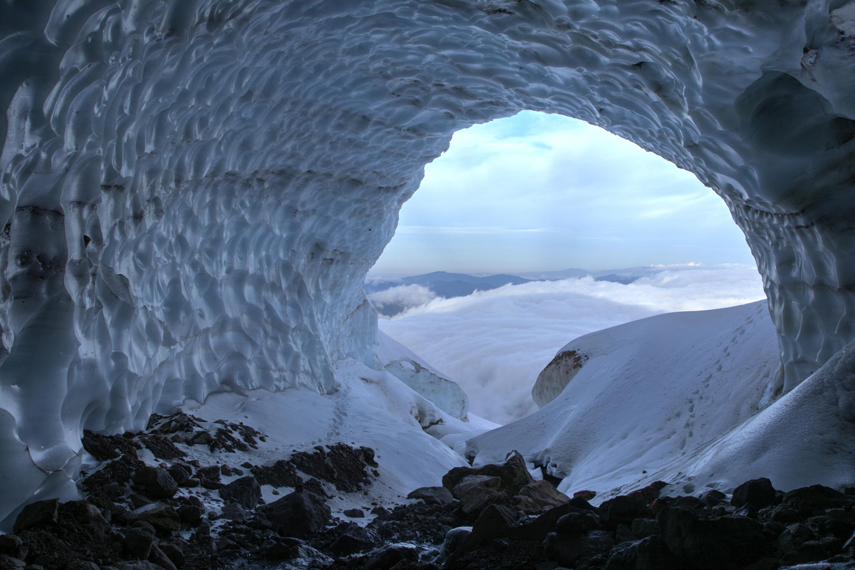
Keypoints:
pixel 193 190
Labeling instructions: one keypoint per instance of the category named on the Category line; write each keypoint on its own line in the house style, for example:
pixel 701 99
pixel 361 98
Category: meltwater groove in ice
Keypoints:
pixel 193 190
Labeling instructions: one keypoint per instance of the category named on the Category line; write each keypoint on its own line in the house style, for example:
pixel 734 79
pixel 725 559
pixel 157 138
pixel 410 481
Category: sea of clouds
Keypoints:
pixel 495 343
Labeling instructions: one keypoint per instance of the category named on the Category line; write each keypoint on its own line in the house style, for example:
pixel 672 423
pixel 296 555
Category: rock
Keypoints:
pixel 568 550
pixel 138 542
pixel 584 495
pixel 354 513
pixel 158 557
pixel 757 492
pixel 650 553
pixel 793 537
pixel 713 497
pixel 190 514
pixel 160 516
pixel 344 466
pixel 477 491
pixel 280 474
pixel 624 534
pixel 37 514
pixel 209 473
pixel 244 491
pixel 648 494
pixel 576 523
pixel 454 538
pixel 433 495
pixel 716 543
pixel 136 565
pixel 642 528
pixel 11 545
pixel 201 438
pixel 11 563
pixel 155 482
pixel 180 473
pixel 495 521
pixel 814 500
pixel 279 549
pixel 513 473
pixel 354 539
pixel 525 505
pixel 161 447
pixel 174 553
pixel 106 447
pixel 386 558
pixel 297 514
pixel 81 565
pixel 234 512
pixel 543 494
pixel 623 510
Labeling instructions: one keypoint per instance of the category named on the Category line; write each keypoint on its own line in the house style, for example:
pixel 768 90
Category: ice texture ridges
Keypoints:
pixel 193 190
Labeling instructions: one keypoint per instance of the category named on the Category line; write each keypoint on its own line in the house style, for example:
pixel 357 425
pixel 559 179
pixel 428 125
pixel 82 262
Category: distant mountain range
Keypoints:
pixel 450 285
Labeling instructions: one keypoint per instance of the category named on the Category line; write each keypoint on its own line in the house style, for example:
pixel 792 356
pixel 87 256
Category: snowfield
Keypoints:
pixel 693 399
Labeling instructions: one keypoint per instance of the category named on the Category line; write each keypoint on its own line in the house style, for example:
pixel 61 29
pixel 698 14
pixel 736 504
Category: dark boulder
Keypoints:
pixel 245 491
pixel 162 517
pixel 155 483
pixel 477 491
pixel 543 494
pixel 716 543
pixel 623 510
pixel 757 492
pixel 814 500
pixel 513 474
pixel 353 539
pixel 495 521
pixel 650 553
pixel 37 514
pixel 11 545
pixel 569 550
pixel 354 513
pixel 344 466
pixel 298 514
pixel 386 558
pixel 433 495
pixel 138 542
pixel 281 474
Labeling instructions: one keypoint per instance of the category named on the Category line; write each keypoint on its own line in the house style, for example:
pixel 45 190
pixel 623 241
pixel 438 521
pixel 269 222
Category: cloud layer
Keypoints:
pixel 495 343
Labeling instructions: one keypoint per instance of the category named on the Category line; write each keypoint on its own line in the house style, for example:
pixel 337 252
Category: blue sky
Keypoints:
pixel 538 192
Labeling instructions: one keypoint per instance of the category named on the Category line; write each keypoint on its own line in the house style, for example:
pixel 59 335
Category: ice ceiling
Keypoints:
pixel 193 191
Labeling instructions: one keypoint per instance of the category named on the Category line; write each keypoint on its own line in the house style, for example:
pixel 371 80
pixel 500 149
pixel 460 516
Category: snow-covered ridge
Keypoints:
pixel 641 396
pixel 193 190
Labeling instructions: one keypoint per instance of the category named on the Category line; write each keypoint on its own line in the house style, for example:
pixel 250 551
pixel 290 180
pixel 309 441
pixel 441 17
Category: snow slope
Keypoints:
pixel 649 394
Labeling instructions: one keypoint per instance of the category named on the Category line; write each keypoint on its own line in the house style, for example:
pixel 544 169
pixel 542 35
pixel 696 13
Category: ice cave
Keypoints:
pixel 194 190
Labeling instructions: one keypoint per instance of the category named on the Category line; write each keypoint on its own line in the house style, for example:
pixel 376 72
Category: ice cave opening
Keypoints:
pixel 193 192
pixel 544 228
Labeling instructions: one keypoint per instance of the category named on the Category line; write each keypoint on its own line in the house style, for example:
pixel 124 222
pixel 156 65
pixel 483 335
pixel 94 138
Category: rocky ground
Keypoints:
pixel 149 506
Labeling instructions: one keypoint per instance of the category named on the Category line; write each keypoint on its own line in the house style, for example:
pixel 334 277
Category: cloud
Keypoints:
pixel 495 343
pixel 401 298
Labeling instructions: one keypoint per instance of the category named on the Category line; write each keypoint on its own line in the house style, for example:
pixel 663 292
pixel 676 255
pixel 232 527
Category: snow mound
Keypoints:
pixel 646 394
pixel 404 364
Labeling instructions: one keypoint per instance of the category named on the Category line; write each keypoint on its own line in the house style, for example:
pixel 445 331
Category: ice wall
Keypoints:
pixel 193 190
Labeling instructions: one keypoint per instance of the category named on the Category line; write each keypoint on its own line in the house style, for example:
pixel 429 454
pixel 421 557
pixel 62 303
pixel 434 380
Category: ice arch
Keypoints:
pixel 193 190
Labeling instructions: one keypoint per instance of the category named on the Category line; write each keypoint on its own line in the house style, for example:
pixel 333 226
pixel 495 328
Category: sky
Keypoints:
pixel 538 192
pixel 495 343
